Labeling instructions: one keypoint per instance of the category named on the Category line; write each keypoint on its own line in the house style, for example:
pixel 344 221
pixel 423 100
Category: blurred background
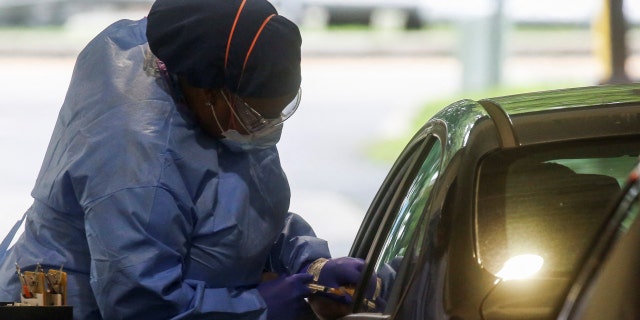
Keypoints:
pixel 373 72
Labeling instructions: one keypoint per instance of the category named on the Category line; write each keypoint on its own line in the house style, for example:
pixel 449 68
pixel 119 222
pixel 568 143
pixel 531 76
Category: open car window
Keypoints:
pixel 399 245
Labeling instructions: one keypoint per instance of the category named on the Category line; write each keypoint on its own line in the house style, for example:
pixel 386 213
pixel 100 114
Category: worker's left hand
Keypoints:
pixel 285 295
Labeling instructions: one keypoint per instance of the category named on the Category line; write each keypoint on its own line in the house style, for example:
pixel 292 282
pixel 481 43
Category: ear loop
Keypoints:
pixel 215 117
pixel 210 105
pixel 233 111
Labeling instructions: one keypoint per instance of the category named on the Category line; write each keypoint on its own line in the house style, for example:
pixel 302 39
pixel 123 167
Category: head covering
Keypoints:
pixel 243 45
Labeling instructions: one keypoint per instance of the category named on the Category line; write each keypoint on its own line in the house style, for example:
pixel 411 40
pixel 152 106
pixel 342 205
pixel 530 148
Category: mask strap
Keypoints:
pixel 233 29
pixel 255 39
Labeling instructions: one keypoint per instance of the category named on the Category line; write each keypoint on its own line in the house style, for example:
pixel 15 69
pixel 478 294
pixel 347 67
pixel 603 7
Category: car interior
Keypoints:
pixel 537 216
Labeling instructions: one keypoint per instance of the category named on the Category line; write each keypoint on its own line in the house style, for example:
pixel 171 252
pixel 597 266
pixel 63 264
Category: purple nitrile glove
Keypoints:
pixel 341 272
pixel 336 273
pixel 344 271
pixel 285 295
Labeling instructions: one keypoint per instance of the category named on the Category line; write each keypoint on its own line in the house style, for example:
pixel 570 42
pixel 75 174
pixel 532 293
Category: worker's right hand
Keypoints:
pixel 337 272
pixel 285 295
pixel 342 272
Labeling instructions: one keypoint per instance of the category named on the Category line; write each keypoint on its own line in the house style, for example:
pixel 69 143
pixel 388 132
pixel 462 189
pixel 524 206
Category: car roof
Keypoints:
pixel 568 98
pixel 546 116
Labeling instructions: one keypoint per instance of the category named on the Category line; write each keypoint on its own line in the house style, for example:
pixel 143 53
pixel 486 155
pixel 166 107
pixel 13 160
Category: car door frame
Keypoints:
pixel 377 223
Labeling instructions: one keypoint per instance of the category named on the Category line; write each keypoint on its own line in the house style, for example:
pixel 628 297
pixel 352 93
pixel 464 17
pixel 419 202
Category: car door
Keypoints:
pixel 394 230
pixel 608 286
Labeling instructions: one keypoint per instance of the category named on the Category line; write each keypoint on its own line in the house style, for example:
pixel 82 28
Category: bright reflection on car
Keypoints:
pixel 521 267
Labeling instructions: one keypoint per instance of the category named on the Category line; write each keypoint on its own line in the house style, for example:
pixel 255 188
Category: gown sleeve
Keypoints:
pixel 295 247
pixel 139 239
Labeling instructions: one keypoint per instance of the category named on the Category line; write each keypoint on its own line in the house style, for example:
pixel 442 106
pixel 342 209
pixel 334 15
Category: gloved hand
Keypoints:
pixel 344 271
pixel 340 273
pixel 285 295
pixel 336 273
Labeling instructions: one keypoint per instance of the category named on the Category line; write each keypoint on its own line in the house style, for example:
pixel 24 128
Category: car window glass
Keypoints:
pixel 538 211
pixel 610 292
pixel 543 208
pixel 404 226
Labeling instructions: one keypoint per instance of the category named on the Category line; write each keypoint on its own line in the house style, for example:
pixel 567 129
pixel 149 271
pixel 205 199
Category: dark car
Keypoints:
pixel 502 209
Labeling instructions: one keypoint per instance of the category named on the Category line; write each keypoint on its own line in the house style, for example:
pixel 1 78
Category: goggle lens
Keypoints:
pixel 252 120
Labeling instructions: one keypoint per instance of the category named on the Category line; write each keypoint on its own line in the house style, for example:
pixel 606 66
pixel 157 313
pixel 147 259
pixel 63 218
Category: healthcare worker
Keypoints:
pixel 161 192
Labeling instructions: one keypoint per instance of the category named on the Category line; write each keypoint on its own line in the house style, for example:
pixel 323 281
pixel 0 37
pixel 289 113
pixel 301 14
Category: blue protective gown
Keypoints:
pixel 150 217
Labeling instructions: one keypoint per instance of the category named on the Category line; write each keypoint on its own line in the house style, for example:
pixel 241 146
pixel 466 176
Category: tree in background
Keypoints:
pixel 611 46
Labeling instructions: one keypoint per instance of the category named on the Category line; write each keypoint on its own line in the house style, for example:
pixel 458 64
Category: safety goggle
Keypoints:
pixel 250 119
